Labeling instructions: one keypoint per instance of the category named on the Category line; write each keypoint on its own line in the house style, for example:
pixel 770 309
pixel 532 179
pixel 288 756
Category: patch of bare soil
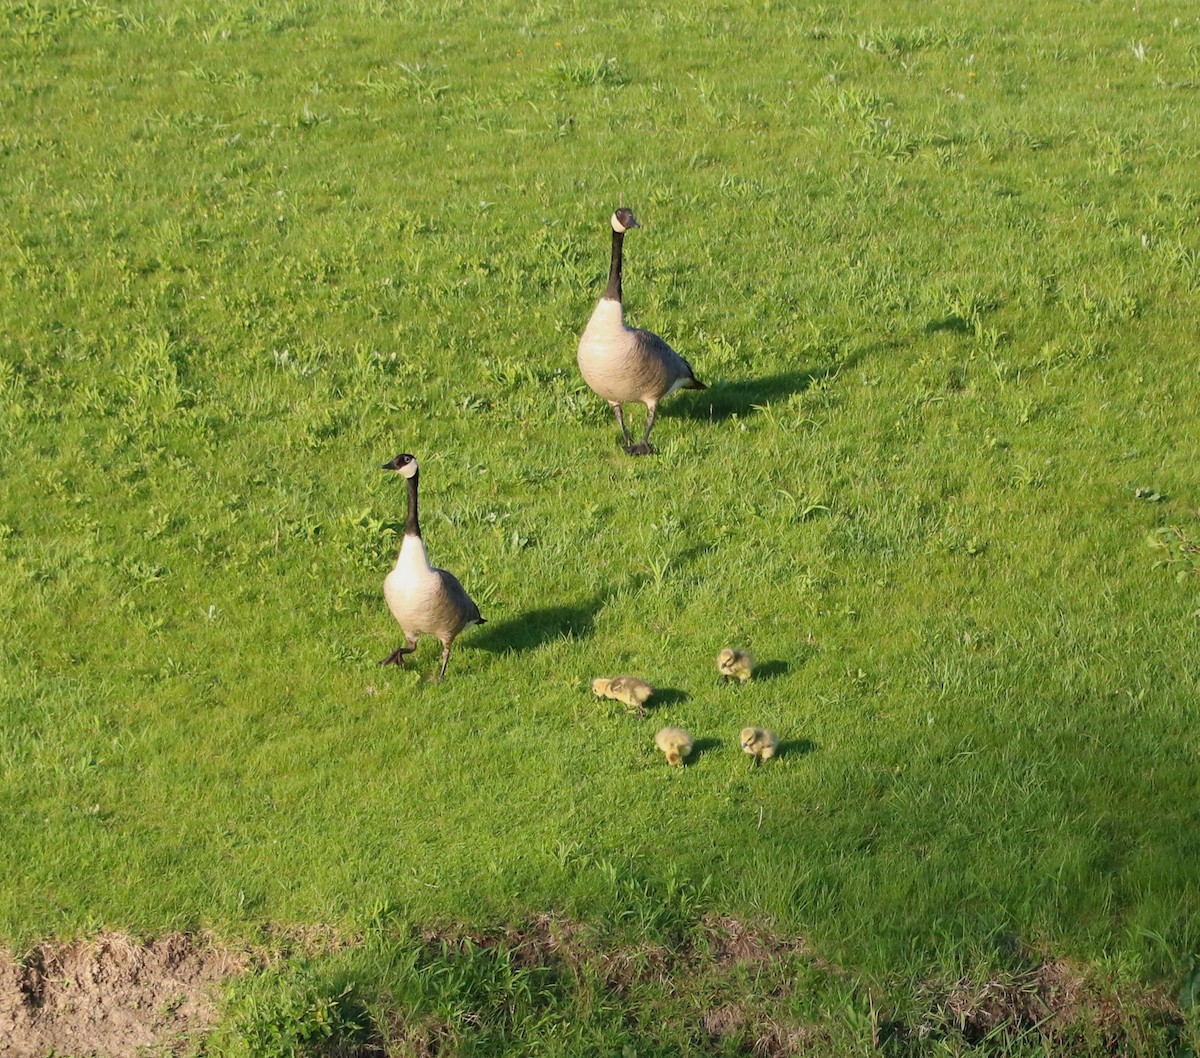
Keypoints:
pixel 712 964
pixel 1056 1001
pixel 110 997
pixel 113 997
pixel 752 1033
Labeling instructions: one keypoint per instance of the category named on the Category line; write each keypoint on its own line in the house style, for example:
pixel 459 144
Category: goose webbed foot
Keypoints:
pixel 396 657
pixel 646 448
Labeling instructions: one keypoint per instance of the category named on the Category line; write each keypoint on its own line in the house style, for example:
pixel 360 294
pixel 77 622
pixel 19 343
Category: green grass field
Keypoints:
pixel 940 268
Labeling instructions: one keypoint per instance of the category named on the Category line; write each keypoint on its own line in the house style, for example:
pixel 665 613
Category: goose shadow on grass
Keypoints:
pixel 534 628
pixel 724 399
pixel 531 629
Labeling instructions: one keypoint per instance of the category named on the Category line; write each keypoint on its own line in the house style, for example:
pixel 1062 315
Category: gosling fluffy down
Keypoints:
pixel 735 664
pixel 628 690
pixel 675 744
pixel 760 743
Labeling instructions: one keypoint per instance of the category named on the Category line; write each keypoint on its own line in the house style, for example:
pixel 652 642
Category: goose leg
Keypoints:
pixel 616 407
pixel 445 660
pixel 396 657
pixel 645 448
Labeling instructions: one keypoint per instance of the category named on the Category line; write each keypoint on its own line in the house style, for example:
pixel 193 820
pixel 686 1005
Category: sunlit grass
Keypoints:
pixel 940 271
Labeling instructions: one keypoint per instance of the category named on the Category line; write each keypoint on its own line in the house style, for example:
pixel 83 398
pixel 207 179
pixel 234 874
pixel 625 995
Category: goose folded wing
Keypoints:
pixel 456 595
pixel 650 344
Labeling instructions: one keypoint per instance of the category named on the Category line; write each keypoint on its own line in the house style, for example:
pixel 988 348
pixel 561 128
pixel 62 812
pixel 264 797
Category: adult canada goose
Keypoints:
pixel 735 664
pixel 628 690
pixel 423 598
pixel 675 744
pixel 623 364
pixel 759 743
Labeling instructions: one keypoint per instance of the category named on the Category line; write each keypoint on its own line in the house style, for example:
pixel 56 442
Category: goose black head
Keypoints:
pixel 403 464
pixel 624 219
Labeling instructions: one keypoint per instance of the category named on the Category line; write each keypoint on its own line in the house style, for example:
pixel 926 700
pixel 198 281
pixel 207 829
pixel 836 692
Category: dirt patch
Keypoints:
pixel 110 997
pixel 744 972
pixel 1046 998
pixel 1056 1001
pixel 733 942
pixel 732 1025
pixel 727 985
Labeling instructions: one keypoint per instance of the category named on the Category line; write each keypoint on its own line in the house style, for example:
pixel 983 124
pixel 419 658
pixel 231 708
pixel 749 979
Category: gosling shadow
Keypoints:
pixel 796 747
pixel 665 697
pixel 948 324
pixel 701 746
pixel 770 670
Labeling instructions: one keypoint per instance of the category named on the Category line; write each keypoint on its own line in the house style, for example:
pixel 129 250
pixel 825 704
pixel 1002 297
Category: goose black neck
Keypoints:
pixel 411 525
pixel 613 290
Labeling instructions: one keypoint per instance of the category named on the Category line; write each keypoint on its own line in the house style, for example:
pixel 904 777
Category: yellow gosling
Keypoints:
pixel 760 743
pixel 735 664
pixel 629 690
pixel 675 744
